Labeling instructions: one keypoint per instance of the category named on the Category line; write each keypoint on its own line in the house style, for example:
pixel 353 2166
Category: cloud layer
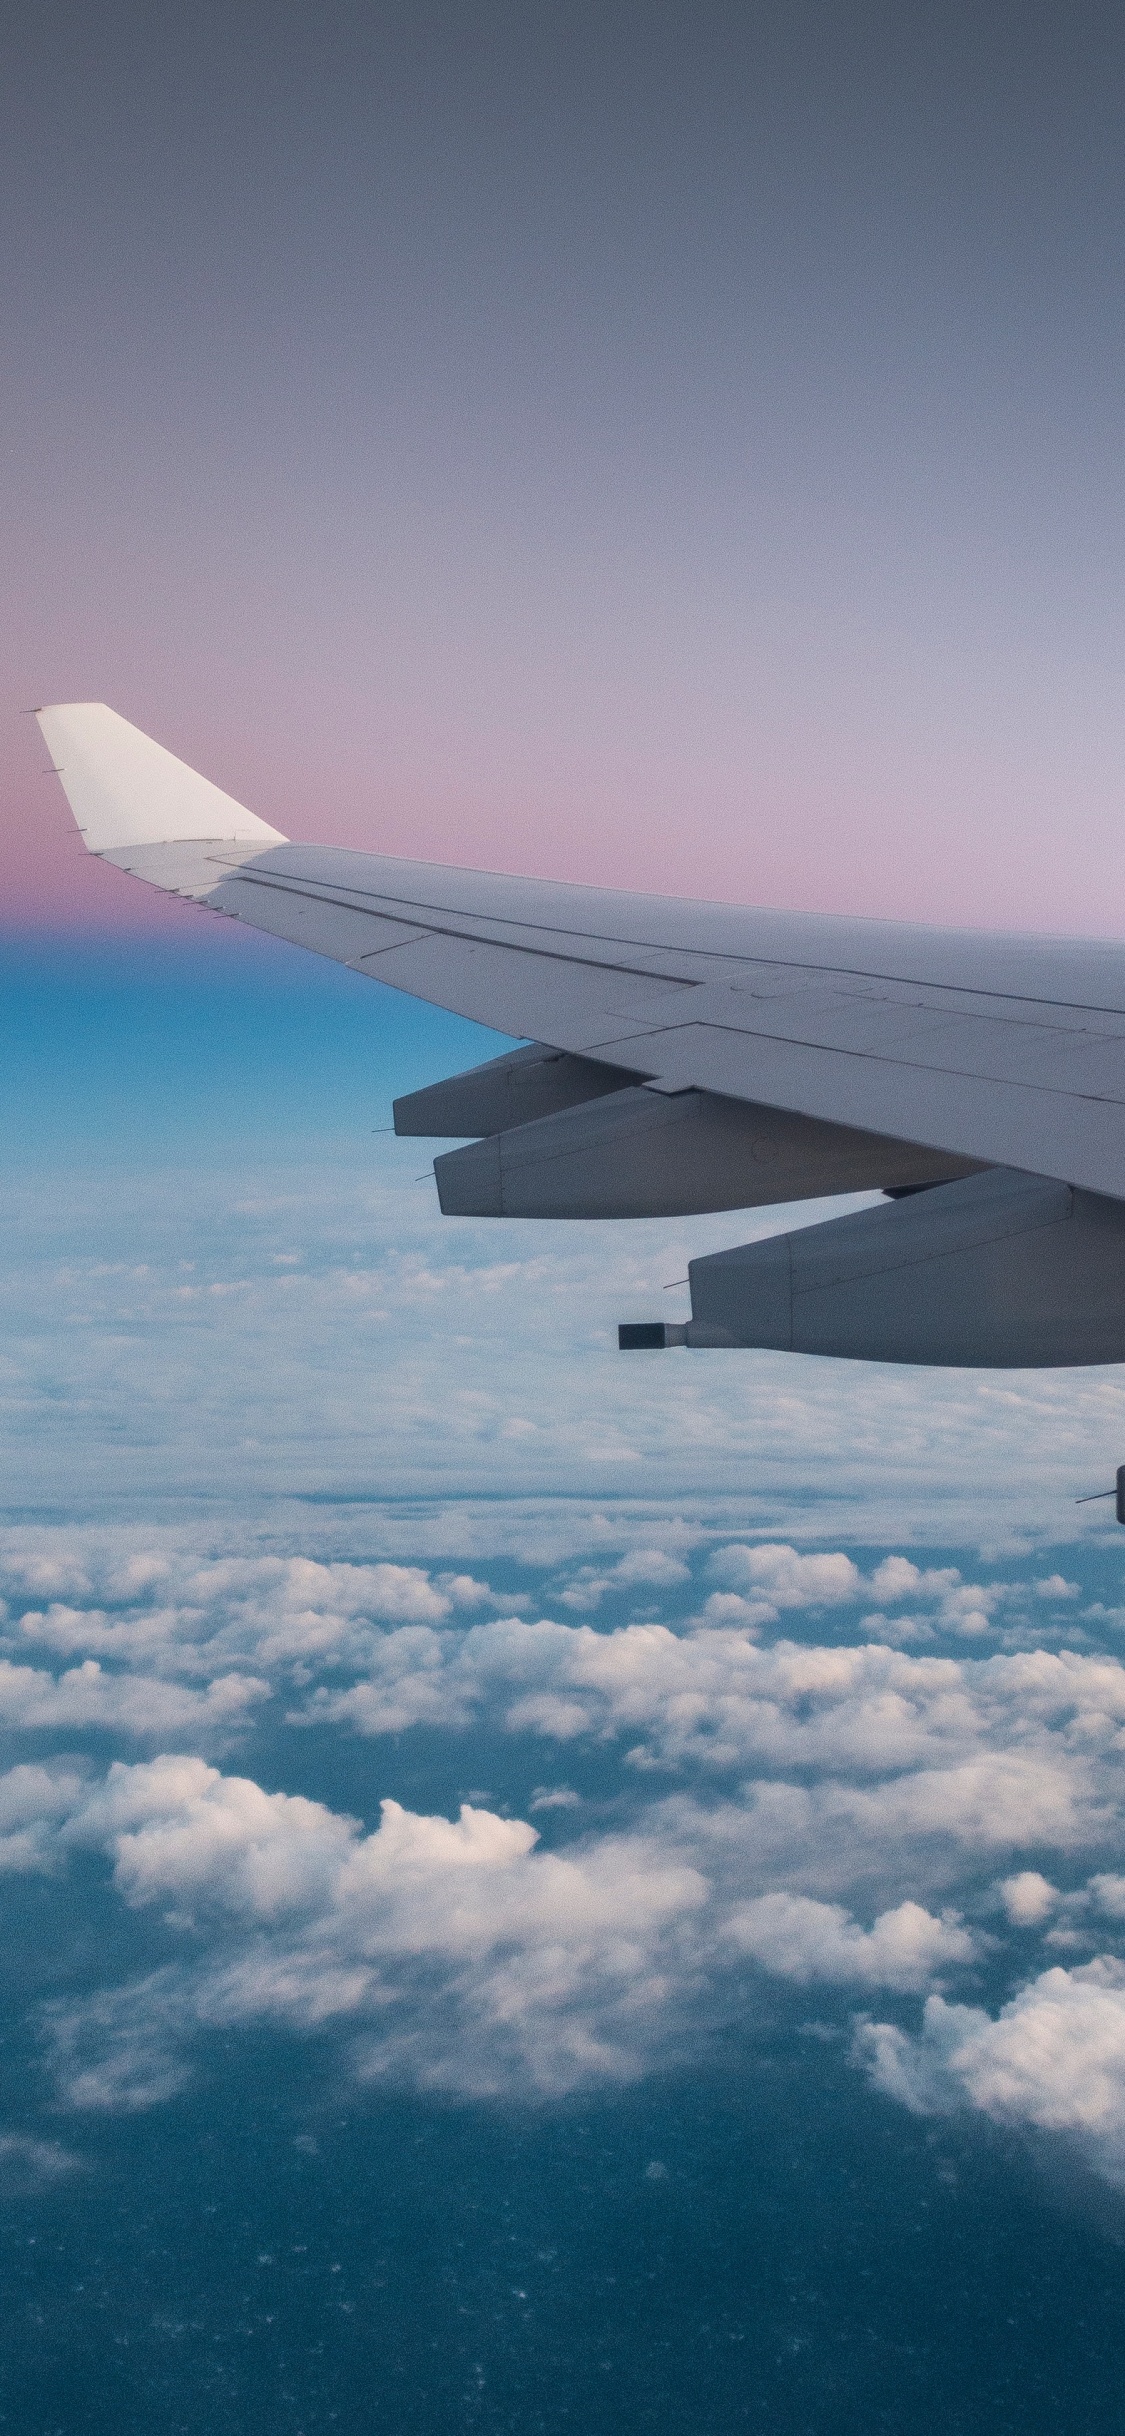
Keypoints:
pixel 248 1329
pixel 456 1953
pixel 808 1776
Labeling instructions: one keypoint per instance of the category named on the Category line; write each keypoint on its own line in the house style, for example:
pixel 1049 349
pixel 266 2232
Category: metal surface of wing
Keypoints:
pixel 998 1051
pixel 986 1050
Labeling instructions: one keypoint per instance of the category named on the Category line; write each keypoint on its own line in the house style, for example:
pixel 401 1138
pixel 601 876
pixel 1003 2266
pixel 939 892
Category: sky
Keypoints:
pixel 539 1890
pixel 594 441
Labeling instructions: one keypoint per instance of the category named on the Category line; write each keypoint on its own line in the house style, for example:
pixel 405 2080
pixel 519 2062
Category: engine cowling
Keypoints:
pixel 643 1153
pixel 1001 1270
pixel 513 1090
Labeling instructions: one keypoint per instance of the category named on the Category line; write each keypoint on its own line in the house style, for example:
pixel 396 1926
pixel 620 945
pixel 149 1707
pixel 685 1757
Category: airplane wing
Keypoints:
pixel 684 1055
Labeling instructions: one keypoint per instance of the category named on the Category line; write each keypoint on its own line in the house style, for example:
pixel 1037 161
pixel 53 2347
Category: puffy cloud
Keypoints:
pixel 468 1957
pixel 1005 1748
pixel 771 1578
pixel 730 1608
pixel 899 1578
pixel 1028 1898
pixel 396 1594
pixel 178 1829
pixel 921 1832
pixel 220 1620
pixel 995 1802
pixel 1107 1891
pixel 653 1568
pixel 639 1568
pixel 283 1609
pixel 804 1940
pixel 292 1618
pixel 45 1573
pixel 139 1705
pixel 863 1799
pixel 964 1608
pixel 458 1952
pixel 33 1801
pixel 968 1609
pixel 1054 2058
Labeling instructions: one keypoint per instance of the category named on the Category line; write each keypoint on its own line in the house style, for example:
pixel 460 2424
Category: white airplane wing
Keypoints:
pixel 691 1056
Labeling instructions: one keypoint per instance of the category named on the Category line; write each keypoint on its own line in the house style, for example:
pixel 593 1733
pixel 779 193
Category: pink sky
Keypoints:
pixel 824 783
pixel 709 485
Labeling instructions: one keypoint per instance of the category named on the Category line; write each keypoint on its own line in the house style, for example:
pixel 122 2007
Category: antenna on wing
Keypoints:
pixel 1118 1493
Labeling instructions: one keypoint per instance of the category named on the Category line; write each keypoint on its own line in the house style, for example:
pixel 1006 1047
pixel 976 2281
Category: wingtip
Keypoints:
pixel 126 790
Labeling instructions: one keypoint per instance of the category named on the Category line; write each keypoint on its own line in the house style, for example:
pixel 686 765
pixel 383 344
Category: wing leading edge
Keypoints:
pixel 688 1055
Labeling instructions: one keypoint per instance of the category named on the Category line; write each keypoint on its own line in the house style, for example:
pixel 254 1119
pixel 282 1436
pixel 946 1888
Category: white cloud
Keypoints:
pixel 863 1800
pixel 1054 2059
pixel 179 1830
pixel 1107 1890
pixel 295 1621
pixel 46 1573
pixel 778 1577
pixel 242 1618
pixel 123 2049
pixel 538 1970
pixel 804 1940
pixel 1028 1898
pixel 138 1705
pixel 652 1567
pixel 1022 1745
pixel 458 1952
pixel 639 1568
pixel 33 1801
pixel 728 1607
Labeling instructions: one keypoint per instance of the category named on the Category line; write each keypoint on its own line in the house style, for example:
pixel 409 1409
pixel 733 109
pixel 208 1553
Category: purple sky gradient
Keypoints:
pixel 667 448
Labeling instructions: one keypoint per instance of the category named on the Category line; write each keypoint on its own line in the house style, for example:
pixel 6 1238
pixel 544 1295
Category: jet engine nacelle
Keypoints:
pixel 640 1153
pixel 514 1090
pixel 1001 1270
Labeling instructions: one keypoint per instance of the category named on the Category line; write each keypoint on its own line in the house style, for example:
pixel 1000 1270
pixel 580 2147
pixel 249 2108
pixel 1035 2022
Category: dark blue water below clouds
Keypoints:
pixel 758 2247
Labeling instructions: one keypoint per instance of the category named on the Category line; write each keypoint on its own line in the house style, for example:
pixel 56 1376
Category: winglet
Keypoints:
pixel 125 791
